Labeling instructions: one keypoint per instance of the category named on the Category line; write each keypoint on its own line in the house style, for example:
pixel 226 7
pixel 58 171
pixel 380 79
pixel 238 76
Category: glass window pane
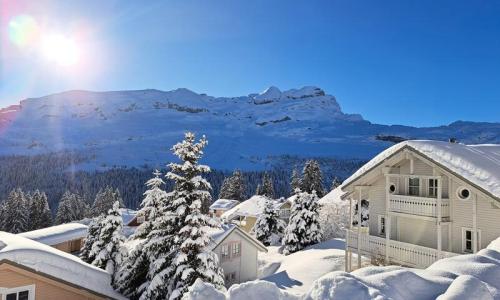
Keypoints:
pixel 468 245
pixel 23 295
pixel 12 296
pixel 468 235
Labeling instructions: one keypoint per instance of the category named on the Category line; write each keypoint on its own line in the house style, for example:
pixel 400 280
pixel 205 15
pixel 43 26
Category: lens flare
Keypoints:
pixel 60 50
pixel 23 30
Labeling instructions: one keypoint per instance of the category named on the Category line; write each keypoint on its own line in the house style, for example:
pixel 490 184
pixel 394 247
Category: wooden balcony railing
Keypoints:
pixel 419 206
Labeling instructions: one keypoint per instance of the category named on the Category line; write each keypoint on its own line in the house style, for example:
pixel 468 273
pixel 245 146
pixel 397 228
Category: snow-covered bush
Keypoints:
pixel 334 220
pixel 269 227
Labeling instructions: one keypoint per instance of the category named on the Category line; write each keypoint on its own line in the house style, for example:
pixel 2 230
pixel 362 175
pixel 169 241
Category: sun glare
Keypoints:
pixel 60 50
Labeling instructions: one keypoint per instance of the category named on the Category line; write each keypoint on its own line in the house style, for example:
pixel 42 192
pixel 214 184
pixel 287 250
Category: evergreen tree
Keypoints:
pixel 150 205
pixel 258 190
pixel 295 181
pixel 131 278
pixel 335 183
pixel 303 227
pixel 312 179
pixel 104 201
pixel 16 212
pixel 233 187
pixel 71 208
pixel 266 188
pixel 92 236
pixel 107 248
pixel 170 278
pixel 40 215
pixel 269 226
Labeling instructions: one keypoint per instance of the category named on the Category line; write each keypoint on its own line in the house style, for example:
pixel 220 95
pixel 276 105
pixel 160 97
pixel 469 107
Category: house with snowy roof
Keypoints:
pixel 246 213
pixel 32 270
pixel 237 252
pixel 425 200
pixel 65 237
pixel 220 206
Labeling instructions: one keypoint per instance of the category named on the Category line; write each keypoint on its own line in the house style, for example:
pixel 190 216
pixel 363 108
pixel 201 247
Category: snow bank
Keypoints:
pixel 479 164
pixel 56 263
pixel 57 234
pixel 474 276
pixel 224 204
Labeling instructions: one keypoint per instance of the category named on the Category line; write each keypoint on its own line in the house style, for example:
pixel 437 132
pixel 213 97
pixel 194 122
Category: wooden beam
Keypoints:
pixel 474 223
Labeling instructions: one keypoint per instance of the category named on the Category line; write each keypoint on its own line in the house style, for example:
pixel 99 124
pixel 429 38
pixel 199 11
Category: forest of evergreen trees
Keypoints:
pixel 56 173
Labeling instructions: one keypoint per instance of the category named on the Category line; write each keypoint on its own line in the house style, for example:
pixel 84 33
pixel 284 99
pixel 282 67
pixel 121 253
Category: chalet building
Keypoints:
pixel 31 270
pixel 65 237
pixel 237 252
pixel 246 213
pixel 220 206
pixel 422 201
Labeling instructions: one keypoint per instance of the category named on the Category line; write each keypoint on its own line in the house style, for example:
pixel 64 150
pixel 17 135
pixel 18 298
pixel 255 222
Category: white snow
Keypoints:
pixel 127 215
pixel 56 263
pixel 224 204
pixel 333 197
pixel 57 234
pixel 479 164
pixel 252 207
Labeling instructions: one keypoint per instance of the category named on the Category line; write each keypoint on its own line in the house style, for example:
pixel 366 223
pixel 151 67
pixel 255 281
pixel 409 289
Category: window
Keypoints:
pixel 19 293
pixel 413 186
pixel 230 277
pixel 467 240
pixel 236 249
pixel 225 252
pixel 392 188
pixel 381 225
pixel 433 188
pixel 463 193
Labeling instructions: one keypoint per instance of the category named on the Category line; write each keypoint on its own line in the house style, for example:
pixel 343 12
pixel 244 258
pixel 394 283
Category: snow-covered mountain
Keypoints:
pixel 135 128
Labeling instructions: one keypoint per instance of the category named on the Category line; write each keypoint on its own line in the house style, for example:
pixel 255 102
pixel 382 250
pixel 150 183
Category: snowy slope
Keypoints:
pixel 138 127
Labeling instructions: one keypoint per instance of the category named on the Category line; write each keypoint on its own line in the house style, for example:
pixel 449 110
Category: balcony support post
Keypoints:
pixel 439 218
pixel 474 223
pixel 387 219
pixel 359 226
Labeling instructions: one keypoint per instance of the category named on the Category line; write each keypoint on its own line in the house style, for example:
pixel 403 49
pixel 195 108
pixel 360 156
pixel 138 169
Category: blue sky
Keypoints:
pixel 418 63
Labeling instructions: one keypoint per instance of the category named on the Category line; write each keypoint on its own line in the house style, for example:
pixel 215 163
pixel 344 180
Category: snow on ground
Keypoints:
pixel 296 272
pixel 56 263
pixel 57 234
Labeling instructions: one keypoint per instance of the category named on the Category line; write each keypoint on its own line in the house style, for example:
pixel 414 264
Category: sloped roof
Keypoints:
pixel 224 204
pixel 57 234
pixel 57 264
pixel 333 197
pixel 218 235
pixel 477 164
pixel 252 207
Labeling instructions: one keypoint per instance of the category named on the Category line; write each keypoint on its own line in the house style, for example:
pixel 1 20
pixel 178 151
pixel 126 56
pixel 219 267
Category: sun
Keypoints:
pixel 60 50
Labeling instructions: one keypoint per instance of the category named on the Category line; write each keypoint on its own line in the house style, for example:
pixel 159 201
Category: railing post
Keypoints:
pixel 439 218
pixel 359 227
pixel 387 219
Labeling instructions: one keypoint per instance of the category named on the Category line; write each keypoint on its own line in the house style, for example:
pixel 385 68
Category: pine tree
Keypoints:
pixel 104 201
pixel 92 236
pixel 40 215
pixel 150 205
pixel 303 227
pixel 233 187
pixel 266 188
pixel 71 208
pixel 269 227
pixel 171 276
pixel 16 212
pixel 131 278
pixel 312 179
pixel 335 183
pixel 107 248
pixel 295 181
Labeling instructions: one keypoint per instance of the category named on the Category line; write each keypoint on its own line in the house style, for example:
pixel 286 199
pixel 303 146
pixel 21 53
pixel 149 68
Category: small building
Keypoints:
pixel 32 270
pixel 65 237
pixel 237 252
pixel 421 201
pixel 246 213
pixel 220 206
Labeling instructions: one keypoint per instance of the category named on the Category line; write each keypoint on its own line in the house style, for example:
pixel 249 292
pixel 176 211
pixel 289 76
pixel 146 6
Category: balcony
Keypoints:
pixel 399 253
pixel 419 206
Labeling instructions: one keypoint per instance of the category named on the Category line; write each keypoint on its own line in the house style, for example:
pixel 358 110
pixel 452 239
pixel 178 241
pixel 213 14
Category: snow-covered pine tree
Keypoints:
pixel 312 179
pixel 71 208
pixel 303 227
pixel 16 212
pixel 266 188
pixel 104 201
pixel 191 259
pixel 335 183
pixel 131 278
pixel 107 248
pixel 233 187
pixel 150 205
pixel 295 181
pixel 269 227
pixel 92 235
pixel 40 215
pixel 258 190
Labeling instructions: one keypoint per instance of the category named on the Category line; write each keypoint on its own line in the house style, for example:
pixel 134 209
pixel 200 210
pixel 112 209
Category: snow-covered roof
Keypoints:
pixel 127 215
pixel 55 263
pixel 477 164
pixel 217 235
pixel 57 234
pixel 252 207
pixel 224 204
pixel 333 197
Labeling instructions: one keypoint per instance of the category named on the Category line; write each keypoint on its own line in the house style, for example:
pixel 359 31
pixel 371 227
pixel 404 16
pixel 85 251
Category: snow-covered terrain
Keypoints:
pixel 134 128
